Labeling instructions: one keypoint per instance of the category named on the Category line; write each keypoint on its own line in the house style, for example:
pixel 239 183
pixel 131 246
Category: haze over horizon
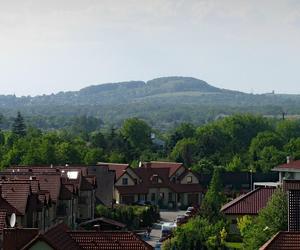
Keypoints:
pixel 52 46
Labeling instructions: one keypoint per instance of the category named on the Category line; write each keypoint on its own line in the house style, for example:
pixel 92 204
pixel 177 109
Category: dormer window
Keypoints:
pixel 124 181
pixel 189 179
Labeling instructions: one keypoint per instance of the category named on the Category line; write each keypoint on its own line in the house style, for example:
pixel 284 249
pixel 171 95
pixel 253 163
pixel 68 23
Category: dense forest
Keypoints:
pixel 163 103
pixel 234 143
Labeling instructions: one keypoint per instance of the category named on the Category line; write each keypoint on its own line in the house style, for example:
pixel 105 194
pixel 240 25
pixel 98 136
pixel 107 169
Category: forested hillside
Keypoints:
pixel 162 102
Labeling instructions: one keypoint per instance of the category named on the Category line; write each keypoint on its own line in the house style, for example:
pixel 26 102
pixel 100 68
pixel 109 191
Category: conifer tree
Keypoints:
pixel 19 127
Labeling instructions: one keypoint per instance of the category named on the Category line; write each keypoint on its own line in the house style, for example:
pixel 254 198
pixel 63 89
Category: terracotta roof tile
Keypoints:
pixel 249 203
pixel 117 240
pixel 17 238
pixel 16 194
pixel 59 237
pixel 2 220
pixel 171 166
pixel 283 241
pixel 292 165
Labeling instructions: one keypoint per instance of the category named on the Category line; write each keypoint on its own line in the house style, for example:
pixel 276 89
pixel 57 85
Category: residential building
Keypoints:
pixel 166 184
pixel 248 204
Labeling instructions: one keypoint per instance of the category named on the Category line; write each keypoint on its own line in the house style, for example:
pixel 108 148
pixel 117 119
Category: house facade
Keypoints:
pixel 166 184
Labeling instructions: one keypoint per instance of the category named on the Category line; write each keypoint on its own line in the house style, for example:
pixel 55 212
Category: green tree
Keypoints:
pixel 213 198
pixel 19 127
pixel 137 133
pixel 93 156
pixel 184 151
pixel 271 219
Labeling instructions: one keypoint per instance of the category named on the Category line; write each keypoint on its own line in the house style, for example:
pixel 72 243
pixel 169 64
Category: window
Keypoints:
pixel 125 181
pixel 161 195
pixel 189 179
pixel 153 197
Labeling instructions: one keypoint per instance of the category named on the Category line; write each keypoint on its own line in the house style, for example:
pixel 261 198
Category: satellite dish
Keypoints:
pixel 12 221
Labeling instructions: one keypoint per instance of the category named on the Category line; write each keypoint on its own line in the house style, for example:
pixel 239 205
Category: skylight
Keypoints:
pixel 73 175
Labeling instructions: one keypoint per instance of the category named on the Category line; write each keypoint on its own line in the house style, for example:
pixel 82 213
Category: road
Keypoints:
pixel 166 216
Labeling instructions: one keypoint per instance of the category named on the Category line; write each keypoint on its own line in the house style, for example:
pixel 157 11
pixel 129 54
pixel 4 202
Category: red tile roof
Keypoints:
pixel 294 165
pixel 250 203
pixel 5 206
pixel 147 181
pixel 16 194
pixel 17 238
pixel 117 240
pixel 283 241
pixel 2 220
pixel 172 166
pixel 60 238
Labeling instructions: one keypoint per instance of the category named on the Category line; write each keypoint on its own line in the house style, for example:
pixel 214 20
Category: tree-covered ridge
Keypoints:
pixel 162 102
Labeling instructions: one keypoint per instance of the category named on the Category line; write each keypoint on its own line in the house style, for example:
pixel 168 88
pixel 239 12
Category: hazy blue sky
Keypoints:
pixel 52 45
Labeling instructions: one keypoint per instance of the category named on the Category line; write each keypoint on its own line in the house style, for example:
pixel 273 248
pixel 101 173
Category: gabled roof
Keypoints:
pixel 146 175
pixel 250 203
pixel 16 194
pixel 116 240
pixel 60 238
pixel 291 166
pixel 283 241
pixel 171 166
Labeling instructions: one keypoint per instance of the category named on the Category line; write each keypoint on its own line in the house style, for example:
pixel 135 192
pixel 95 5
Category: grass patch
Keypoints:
pixel 234 245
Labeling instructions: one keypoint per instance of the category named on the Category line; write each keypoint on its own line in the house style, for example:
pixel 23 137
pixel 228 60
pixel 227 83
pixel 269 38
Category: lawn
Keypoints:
pixel 234 245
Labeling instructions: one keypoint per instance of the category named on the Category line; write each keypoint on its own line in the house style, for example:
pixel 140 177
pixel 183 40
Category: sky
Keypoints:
pixel 58 45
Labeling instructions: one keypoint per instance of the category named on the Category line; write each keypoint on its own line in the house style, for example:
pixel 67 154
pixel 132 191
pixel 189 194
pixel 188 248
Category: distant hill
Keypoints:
pixel 163 102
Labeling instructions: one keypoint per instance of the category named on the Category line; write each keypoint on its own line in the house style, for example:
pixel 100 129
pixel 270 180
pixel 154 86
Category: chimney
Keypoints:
pixel 289 159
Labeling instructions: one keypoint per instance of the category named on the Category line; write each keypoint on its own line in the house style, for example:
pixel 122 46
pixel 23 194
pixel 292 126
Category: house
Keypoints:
pixel 290 170
pixel 66 192
pixel 60 237
pixel 283 241
pixel 248 204
pixel 19 197
pixel 167 184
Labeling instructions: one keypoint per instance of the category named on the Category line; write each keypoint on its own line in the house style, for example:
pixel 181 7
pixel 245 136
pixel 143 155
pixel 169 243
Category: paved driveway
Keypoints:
pixel 166 216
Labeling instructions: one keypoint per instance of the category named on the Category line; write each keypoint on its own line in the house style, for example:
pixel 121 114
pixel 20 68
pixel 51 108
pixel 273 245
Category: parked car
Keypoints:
pixel 167 228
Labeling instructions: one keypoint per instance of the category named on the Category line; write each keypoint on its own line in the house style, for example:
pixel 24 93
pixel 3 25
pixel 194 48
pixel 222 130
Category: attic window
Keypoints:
pixel 189 179
pixel 125 181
